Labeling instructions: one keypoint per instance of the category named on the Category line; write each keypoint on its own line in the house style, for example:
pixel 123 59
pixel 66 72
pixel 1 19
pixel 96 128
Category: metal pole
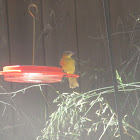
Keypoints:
pixel 109 40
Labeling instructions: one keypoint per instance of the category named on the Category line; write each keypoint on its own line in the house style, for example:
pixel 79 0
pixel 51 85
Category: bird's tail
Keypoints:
pixel 73 82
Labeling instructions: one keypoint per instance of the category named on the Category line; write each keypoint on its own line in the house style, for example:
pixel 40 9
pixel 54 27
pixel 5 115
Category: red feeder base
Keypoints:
pixel 34 74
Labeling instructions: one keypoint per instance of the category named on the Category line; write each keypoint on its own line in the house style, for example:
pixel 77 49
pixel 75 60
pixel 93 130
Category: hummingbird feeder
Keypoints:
pixel 32 73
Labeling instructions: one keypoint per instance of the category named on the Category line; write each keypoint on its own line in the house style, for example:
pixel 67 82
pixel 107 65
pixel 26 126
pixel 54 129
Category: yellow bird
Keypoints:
pixel 68 65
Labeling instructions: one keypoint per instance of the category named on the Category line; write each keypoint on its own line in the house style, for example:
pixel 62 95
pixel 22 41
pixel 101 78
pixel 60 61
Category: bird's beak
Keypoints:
pixel 72 53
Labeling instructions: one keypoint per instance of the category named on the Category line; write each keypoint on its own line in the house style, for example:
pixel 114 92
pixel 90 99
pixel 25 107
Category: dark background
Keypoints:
pixel 75 25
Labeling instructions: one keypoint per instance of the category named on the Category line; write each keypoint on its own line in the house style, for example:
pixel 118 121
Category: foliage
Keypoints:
pixel 72 117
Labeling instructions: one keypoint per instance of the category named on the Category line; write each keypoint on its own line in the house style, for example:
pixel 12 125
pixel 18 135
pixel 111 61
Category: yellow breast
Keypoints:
pixel 68 65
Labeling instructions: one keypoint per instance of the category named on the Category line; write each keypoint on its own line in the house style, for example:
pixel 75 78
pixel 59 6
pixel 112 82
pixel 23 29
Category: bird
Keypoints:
pixel 68 65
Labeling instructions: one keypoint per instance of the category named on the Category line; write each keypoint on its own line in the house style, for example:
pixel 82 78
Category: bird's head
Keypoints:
pixel 68 54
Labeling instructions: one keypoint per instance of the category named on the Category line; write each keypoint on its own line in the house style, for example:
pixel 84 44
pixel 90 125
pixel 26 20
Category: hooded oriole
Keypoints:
pixel 68 65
